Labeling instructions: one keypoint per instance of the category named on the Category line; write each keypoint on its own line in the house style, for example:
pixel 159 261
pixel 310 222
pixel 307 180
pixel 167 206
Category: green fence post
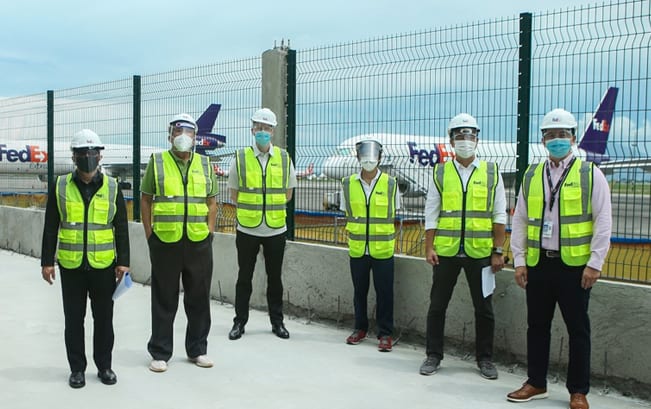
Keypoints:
pixel 291 131
pixel 136 147
pixel 524 96
pixel 50 139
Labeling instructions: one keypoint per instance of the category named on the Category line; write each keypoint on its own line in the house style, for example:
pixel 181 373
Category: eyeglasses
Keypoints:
pixel 557 134
pixel 262 127
pixel 464 134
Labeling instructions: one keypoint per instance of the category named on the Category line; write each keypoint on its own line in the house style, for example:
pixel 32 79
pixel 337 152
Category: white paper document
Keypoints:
pixel 122 286
pixel 487 281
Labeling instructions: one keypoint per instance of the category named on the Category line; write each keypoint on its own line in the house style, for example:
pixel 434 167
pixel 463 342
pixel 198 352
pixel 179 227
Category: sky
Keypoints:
pixel 68 43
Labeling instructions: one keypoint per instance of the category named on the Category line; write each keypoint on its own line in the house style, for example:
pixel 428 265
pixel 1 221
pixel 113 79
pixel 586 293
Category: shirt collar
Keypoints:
pixel 97 177
pixel 258 152
pixel 375 178
pixel 177 159
pixel 474 163
pixel 562 164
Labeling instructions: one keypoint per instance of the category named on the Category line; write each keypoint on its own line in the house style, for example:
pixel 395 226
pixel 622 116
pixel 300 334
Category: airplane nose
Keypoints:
pixel 330 168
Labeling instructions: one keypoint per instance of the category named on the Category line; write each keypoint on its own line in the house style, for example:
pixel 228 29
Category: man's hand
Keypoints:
pixel 497 262
pixel 48 274
pixel 431 257
pixel 120 271
pixel 521 276
pixel 590 276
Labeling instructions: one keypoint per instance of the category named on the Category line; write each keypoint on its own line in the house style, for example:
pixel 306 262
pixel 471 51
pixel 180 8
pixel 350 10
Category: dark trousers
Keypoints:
pixel 77 285
pixel 551 282
pixel 360 269
pixel 444 278
pixel 273 249
pixel 192 262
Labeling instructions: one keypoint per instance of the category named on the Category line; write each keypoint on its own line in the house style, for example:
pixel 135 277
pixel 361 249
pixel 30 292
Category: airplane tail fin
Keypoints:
pixel 207 120
pixel 595 137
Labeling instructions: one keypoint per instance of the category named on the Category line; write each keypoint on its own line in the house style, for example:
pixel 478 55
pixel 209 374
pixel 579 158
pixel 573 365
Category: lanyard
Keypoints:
pixel 554 189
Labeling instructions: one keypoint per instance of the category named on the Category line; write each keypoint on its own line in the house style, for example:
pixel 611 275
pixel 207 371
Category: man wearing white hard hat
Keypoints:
pixel 261 180
pixel 86 213
pixel 370 199
pixel 465 217
pixel 560 239
pixel 178 210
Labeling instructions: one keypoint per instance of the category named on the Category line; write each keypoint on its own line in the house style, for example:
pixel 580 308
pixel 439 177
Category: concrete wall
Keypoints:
pixel 316 278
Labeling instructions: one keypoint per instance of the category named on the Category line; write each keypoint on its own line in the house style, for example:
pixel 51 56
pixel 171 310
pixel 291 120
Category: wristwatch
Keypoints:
pixel 498 250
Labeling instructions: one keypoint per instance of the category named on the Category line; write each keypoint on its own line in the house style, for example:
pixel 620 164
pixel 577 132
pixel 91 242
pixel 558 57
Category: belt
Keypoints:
pixel 551 253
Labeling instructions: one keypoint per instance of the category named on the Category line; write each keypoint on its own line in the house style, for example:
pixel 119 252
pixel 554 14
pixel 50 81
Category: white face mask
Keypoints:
pixel 368 165
pixel 465 149
pixel 183 142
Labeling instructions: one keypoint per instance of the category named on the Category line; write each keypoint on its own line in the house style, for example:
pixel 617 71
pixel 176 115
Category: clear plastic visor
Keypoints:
pixel 368 150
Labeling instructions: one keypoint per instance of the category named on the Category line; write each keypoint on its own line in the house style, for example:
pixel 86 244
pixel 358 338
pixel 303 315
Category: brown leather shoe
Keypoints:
pixel 578 401
pixel 527 393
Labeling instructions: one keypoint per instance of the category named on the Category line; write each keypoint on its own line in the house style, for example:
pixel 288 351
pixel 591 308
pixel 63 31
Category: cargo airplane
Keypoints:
pixel 24 157
pixel 410 158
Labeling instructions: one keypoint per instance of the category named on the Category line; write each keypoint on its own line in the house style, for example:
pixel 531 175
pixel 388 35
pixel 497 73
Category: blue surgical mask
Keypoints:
pixel 559 147
pixel 262 138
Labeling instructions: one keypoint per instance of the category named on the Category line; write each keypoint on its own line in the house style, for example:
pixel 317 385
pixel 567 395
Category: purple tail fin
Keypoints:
pixel 206 142
pixel 595 137
pixel 208 118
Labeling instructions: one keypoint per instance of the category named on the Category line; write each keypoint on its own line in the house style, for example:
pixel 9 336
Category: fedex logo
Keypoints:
pixel 31 153
pixel 428 158
pixel 602 126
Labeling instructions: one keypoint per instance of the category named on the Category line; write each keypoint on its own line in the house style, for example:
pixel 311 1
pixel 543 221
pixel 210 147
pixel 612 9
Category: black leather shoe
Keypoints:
pixel 236 331
pixel 107 376
pixel 280 330
pixel 77 380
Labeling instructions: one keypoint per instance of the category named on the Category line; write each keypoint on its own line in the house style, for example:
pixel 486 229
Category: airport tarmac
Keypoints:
pixel 631 212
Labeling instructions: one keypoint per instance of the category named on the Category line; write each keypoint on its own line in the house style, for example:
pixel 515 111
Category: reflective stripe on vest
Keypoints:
pixel 179 205
pixel 470 212
pixel 575 218
pixel 370 223
pixel 258 195
pixel 95 233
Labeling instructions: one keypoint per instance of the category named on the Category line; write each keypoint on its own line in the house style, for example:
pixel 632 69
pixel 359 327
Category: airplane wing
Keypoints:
pixel 611 166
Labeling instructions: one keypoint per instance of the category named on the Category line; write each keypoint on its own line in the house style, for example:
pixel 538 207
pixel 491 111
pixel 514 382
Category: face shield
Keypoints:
pixel 368 154
pixel 368 150
pixel 177 128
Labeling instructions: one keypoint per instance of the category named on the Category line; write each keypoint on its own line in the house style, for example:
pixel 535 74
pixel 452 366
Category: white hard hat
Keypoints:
pixel 462 120
pixel 86 139
pixel 184 118
pixel 558 119
pixel 264 116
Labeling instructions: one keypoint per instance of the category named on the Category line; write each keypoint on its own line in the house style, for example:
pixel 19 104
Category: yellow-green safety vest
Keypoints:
pixel 466 214
pixel 78 230
pixel 370 223
pixel 575 217
pixel 178 205
pixel 260 195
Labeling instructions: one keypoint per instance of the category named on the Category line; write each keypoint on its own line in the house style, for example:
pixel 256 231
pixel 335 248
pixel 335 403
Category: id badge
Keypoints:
pixel 547 229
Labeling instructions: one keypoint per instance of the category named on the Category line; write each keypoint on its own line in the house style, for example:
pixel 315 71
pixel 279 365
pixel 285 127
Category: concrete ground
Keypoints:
pixel 313 369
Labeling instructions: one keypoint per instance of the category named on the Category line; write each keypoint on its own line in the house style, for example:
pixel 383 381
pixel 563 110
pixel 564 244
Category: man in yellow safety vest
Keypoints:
pixel 178 214
pixel 560 239
pixel 370 199
pixel 86 213
pixel 465 215
pixel 261 181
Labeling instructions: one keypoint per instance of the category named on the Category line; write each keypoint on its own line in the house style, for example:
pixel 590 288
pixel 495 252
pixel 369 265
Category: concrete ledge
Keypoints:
pixel 317 279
